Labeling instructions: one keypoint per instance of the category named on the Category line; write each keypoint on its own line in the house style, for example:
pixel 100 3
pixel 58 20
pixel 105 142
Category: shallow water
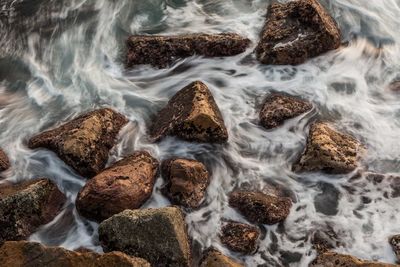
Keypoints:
pixel 61 58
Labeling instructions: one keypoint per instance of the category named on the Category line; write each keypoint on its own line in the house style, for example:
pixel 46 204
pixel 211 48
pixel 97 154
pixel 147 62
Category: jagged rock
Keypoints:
pixel 240 237
pixel 278 108
pixel 162 51
pixel 31 254
pixel 187 181
pixel 395 243
pixel 296 31
pixel 84 142
pixel 332 259
pixel 326 240
pixel 214 258
pixel 4 162
pixel 27 205
pixel 191 114
pixel 157 235
pixel 258 207
pixel 330 151
pixel 127 184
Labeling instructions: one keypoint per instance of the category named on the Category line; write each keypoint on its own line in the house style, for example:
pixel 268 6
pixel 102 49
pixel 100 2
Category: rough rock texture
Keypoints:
pixel 330 151
pixel 31 254
pixel 4 162
pixel 191 114
pixel 161 51
pixel 127 184
pixel 278 108
pixel 187 181
pixel 258 207
pixel 395 242
pixel 157 235
pixel 84 142
pixel 26 206
pixel 240 237
pixel 214 258
pixel 326 240
pixel 296 31
pixel 332 259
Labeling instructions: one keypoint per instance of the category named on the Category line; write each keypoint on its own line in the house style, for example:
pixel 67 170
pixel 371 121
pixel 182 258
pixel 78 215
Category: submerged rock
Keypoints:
pixel 31 254
pixel 278 108
pixel 127 184
pixel 157 235
pixel 4 161
pixel 27 205
pixel 161 51
pixel 332 259
pixel 187 181
pixel 328 150
pixel 214 258
pixel 395 243
pixel 258 207
pixel 84 142
pixel 296 31
pixel 191 114
pixel 240 237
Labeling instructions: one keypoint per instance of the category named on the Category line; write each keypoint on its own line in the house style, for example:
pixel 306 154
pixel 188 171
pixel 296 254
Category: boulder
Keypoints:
pixel 157 235
pixel 240 237
pixel 191 114
pixel 214 258
pixel 258 207
pixel 31 254
pixel 278 108
pixel 296 31
pixel 26 206
pixel 162 51
pixel 84 142
pixel 4 162
pixel 395 243
pixel 329 151
pixel 332 259
pixel 187 181
pixel 127 184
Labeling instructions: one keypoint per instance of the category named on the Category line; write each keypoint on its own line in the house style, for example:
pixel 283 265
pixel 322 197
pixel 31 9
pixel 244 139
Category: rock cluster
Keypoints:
pixel 4 161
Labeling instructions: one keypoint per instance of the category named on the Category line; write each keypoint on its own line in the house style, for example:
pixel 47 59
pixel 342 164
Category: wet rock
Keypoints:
pixel 326 240
pixel 31 254
pixel 191 114
pixel 214 258
pixel 240 237
pixel 278 108
pixel 260 208
pixel 187 181
pixel 26 206
pixel 127 184
pixel 157 235
pixel 327 201
pixel 330 151
pixel 395 86
pixel 332 259
pixel 84 142
pixel 395 243
pixel 161 51
pixel 296 31
pixel 4 162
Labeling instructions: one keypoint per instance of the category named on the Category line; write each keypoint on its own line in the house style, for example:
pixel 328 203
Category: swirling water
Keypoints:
pixel 60 58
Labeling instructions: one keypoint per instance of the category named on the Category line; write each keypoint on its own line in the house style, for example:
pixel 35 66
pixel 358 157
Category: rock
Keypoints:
pixel 395 243
pixel 394 86
pixel 187 181
pixel 4 162
pixel 127 184
pixel 240 237
pixel 191 114
pixel 278 108
pixel 84 142
pixel 258 207
pixel 214 258
pixel 332 259
pixel 26 206
pixel 162 51
pixel 328 150
pixel 157 235
pixel 31 254
pixel 296 31
pixel 324 241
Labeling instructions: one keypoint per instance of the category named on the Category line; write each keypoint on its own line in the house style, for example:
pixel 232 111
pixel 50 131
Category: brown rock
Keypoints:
pixel 161 51
pixel 395 86
pixel 395 242
pixel 157 235
pixel 4 162
pixel 191 114
pixel 26 206
pixel 258 207
pixel 240 237
pixel 187 181
pixel 278 108
pixel 296 31
pixel 332 259
pixel 328 150
pixel 31 254
pixel 127 184
pixel 214 258
pixel 84 142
